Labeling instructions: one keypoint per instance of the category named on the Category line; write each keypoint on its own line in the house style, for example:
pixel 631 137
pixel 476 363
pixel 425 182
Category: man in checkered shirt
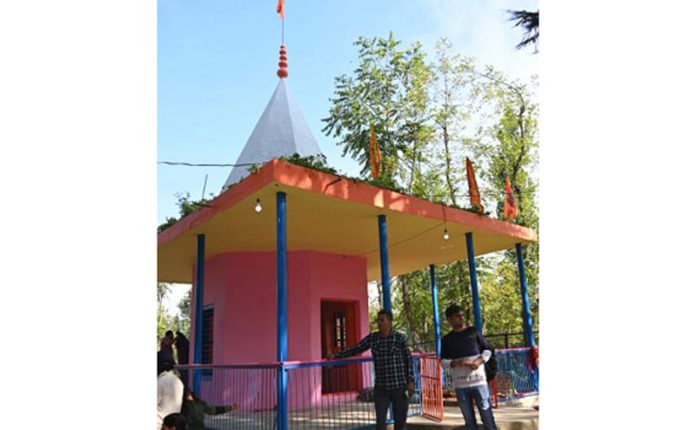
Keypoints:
pixel 393 370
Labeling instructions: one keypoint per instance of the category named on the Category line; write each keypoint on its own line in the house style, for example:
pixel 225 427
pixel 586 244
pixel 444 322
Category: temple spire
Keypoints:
pixel 280 131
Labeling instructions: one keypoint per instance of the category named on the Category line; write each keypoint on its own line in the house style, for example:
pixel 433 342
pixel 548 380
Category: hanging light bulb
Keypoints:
pixel 258 207
pixel 446 235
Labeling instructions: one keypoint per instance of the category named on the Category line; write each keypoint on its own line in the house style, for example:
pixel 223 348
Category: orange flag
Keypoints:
pixel 474 195
pixel 281 9
pixel 510 208
pixel 375 154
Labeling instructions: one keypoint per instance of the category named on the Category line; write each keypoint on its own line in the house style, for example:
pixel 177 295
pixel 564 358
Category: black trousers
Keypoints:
pixel 399 400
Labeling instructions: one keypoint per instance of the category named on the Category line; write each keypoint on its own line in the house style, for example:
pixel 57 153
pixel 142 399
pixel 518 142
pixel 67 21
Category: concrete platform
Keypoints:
pixel 508 416
pixel 519 415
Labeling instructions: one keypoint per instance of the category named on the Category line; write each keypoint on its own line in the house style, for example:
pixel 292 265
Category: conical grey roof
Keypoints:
pixel 281 131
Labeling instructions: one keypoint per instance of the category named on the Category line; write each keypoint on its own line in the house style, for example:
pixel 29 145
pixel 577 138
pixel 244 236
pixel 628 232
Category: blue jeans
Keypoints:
pixel 465 398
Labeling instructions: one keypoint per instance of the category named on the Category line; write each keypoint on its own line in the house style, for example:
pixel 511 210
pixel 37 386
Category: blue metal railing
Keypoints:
pixel 251 388
pixel 516 377
pixel 334 394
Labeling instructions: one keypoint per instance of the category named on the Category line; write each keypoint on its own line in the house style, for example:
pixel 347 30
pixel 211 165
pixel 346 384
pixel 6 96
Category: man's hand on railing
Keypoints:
pixel 411 387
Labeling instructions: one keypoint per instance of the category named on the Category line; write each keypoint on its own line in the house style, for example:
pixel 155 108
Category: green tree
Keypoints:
pixel 184 322
pixel 386 91
pixel 164 320
pixel 480 113
pixel 454 92
pixel 507 146
pixel 428 118
pixel 450 113
pixel 500 300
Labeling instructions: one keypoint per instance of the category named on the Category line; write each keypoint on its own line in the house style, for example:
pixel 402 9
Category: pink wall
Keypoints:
pixel 242 287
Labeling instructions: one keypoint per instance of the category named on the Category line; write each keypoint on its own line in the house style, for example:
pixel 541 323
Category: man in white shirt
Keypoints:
pixel 464 350
pixel 170 390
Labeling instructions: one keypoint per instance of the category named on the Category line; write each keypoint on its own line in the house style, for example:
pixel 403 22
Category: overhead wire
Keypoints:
pixel 182 163
pixel 391 245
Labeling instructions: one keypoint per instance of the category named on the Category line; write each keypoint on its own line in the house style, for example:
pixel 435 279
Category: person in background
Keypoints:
pixel 182 353
pixel 465 350
pixel 170 390
pixel 174 422
pixel 195 410
pixel 394 374
pixel 166 345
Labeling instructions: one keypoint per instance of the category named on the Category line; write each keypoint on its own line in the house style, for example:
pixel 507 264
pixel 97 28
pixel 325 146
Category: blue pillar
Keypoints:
pixel 282 299
pixel 198 345
pixel 526 314
pixel 478 321
pixel 436 313
pixel 384 260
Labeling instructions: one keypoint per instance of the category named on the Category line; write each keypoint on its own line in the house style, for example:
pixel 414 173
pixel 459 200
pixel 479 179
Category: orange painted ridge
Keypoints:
pixel 332 214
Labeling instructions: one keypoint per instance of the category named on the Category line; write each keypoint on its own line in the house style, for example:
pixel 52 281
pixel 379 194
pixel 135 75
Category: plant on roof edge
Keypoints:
pixel 186 207
pixel 316 162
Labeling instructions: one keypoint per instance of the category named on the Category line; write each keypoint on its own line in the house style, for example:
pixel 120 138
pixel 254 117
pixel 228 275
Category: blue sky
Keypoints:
pixel 217 61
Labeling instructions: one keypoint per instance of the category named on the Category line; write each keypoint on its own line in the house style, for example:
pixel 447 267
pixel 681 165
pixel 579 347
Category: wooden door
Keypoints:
pixel 338 331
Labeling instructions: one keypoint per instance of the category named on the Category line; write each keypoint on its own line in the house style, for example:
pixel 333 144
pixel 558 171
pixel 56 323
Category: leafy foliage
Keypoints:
pixel 387 91
pixel 456 109
pixel 183 324
pixel 186 207
pixel 170 221
pixel 500 298
pixel 164 320
pixel 529 21
pixel 316 162
pixel 319 163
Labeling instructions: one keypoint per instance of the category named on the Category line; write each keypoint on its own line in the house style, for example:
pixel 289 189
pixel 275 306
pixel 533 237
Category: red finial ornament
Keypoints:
pixel 283 64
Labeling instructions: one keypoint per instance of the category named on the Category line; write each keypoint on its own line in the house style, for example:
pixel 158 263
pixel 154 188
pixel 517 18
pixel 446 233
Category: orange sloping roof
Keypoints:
pixel 330 214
